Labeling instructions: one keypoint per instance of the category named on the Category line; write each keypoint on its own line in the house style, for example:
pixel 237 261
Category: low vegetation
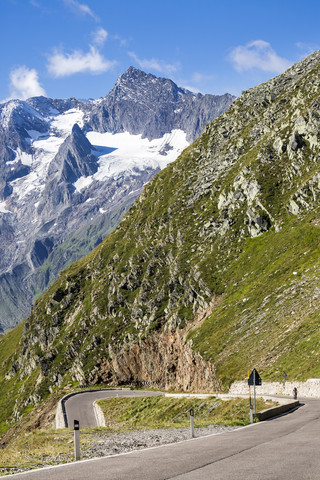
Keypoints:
pixel 164 412
pixel 43 447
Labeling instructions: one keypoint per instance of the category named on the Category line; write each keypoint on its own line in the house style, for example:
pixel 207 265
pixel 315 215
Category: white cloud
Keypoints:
pixel 189 87
pixel 24 83
pixel 154 64
pixel 123 42
pixel 99 36
pixel 43 9
pixel 198 83
pixel 81 8
pixel 258 54
pixel 35 4
pixel 62 64
pixel 200 78
pixel 307 48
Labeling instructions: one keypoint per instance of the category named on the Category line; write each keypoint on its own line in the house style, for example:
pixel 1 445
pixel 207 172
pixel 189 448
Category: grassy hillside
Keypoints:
pixel 124 414
pixel 213 270
pixel 269 316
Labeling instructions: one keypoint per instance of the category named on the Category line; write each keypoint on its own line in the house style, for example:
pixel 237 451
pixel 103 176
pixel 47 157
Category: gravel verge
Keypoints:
pixel 100 444
pixel 103 444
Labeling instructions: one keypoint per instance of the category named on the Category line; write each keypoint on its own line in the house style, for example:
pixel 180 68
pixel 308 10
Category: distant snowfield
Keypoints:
pixel 130 154
pixel 63 123
pixel 46 147
pixel 117 154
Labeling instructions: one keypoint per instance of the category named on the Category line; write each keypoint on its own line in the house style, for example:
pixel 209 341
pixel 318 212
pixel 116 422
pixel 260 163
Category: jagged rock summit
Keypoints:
pixel 69 169
pixel 141 103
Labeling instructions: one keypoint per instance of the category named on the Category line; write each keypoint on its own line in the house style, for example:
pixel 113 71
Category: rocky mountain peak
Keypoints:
pixel 138 100
pixel 74 158
pixel 136 82
pixel 17 118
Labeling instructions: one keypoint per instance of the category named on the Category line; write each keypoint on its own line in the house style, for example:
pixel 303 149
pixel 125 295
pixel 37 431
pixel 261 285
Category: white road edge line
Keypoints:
pixel 98 413
pixel 95 412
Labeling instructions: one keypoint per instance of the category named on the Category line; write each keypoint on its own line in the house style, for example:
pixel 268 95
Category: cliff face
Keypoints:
pixel 141 103
pixel 214 269
pixel 164 360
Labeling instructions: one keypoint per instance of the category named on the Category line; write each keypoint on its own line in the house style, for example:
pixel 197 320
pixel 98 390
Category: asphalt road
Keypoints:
pixel 285 448
pixel 80 406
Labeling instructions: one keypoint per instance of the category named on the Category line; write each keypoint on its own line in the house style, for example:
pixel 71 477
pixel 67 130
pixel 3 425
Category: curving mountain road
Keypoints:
pixel 285 448
pixel 80 406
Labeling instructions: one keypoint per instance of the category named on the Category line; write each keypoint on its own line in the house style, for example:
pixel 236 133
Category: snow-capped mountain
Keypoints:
pixel 69 169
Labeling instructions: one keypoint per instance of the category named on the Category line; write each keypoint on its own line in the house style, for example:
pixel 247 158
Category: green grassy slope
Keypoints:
pixel 222 246
pixel 159 412
pixel 269 316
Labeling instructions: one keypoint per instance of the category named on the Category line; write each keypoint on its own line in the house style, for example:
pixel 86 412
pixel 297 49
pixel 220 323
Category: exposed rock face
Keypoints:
pixel 140 103
pixel 165 361
pixel 60 194
pixel 74 158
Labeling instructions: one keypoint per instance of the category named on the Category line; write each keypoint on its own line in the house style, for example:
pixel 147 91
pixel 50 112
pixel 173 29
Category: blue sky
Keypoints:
pixel 63 48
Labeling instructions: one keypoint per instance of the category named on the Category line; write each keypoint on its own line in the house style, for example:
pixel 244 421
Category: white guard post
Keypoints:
pixel 191 423
pixel 76 428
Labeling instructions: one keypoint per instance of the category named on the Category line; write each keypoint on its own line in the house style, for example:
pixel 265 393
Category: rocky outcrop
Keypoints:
pixel 164 360
pixel 74 159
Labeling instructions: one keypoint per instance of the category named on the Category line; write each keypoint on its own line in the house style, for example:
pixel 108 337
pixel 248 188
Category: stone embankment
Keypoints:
pixel 310 388
pixel 279 410
pixel 101 422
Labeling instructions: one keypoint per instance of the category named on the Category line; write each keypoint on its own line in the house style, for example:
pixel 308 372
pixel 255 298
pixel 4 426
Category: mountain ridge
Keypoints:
pixel 135 84
pixel 61 171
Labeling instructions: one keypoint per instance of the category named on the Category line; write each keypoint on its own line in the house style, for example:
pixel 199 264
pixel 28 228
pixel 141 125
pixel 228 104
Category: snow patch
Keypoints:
pixel 132 154
pixel 53 111
pixel 83 182
pixel 63 123
pixel 34 134
pixel 3 208
pixel 26 158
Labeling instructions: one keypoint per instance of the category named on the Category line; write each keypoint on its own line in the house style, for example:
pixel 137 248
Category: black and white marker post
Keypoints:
pixel 191 423
pixel 76 428
pixel 253 380
pixel 251 409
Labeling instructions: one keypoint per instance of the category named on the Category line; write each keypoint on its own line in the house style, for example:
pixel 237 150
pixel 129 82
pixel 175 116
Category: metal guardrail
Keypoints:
pixel 275 411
